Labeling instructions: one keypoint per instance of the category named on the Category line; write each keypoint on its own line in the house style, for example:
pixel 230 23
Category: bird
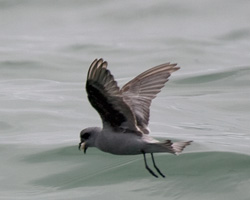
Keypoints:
pixel 125 113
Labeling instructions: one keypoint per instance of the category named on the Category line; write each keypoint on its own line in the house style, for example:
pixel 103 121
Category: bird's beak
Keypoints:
pixel 83 146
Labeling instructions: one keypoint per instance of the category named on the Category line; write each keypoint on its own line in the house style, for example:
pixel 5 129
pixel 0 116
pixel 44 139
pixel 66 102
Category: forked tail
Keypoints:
pixel 176 147
pixel 167 146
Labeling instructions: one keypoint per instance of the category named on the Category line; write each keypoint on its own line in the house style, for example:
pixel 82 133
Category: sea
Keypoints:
pixel 46 48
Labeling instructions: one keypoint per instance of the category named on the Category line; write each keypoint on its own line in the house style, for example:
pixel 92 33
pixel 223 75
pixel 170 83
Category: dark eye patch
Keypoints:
pixel 85 136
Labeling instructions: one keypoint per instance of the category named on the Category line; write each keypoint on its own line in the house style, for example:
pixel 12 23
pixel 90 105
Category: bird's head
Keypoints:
pixel 87 138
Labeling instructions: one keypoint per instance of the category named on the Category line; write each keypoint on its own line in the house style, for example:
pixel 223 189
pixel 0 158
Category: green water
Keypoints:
pixel 46 48
pixel 62 172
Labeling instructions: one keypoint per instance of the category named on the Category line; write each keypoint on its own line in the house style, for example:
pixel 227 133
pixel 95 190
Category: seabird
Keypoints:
pixel 125 113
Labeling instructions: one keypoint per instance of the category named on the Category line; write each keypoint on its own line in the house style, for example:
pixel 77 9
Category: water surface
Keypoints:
pixel 45 51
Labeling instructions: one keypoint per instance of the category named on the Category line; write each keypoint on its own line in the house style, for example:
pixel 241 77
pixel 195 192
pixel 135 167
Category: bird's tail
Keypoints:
pixel 168 146
pixel 177 147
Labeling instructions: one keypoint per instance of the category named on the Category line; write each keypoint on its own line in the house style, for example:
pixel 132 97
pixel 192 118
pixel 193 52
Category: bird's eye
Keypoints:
pixel 85 136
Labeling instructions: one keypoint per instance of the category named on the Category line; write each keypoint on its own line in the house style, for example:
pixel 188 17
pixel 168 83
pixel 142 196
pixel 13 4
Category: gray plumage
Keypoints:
pixel 125 112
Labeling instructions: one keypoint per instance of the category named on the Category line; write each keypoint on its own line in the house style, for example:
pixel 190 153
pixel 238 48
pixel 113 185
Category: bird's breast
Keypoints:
pixel 120 143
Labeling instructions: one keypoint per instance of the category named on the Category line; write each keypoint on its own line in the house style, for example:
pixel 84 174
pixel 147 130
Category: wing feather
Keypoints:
pixel 105 96
pixel 140 91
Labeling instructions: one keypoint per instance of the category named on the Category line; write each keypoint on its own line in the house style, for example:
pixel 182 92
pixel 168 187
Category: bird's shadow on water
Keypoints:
pixel 69 168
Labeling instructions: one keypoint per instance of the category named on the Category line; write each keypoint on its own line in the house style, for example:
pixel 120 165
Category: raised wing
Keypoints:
pixel 105 96
pixel 140 91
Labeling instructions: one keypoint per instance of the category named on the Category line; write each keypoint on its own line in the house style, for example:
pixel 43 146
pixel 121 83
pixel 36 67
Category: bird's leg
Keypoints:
pixel 146 165
pixel 158 170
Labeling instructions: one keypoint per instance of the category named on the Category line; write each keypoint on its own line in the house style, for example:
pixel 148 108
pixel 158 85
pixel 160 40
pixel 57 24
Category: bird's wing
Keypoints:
pixel 105 96
pixel 140 91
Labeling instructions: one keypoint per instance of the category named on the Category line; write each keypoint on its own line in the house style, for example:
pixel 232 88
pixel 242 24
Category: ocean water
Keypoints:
pixel 46 48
